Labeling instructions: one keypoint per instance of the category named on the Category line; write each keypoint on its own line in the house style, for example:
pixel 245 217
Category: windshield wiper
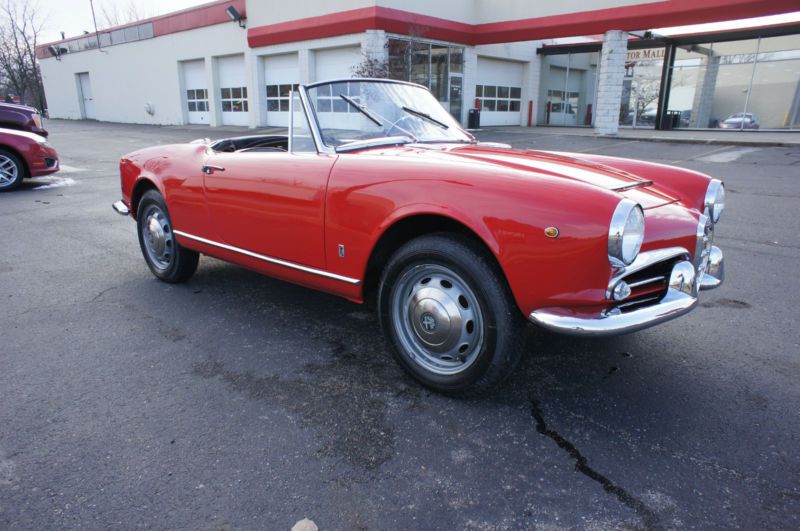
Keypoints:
pixel 363 110
pixel 425 116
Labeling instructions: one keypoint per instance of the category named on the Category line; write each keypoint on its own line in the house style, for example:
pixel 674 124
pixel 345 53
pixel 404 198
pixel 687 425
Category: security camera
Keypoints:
pixel 55 52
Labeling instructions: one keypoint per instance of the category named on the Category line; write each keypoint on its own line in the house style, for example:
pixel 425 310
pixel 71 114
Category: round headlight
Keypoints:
pixel 625 234
pixel 715 199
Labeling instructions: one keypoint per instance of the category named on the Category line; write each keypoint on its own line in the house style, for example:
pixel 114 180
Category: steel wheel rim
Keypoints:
pixel 8 171
pixel 159 241
pixel 438 319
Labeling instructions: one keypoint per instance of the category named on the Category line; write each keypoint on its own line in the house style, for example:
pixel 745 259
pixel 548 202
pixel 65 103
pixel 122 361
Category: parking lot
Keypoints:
pixel 238 401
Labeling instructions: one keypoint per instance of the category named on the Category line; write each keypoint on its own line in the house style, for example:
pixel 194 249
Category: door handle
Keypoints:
pixel 209 169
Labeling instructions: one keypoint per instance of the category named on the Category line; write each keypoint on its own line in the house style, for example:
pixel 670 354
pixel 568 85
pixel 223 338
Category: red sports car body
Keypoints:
pixel 459 239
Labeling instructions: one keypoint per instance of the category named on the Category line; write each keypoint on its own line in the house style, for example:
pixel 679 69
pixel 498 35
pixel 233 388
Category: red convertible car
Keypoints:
pixel 377 193
pixel 24 154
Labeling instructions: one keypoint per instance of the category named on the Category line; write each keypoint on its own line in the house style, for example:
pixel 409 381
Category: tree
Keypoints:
pixel 20 26
pixel 371 67
pixel 115 15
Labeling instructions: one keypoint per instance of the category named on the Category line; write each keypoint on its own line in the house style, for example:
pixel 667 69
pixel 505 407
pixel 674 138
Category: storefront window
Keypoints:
pixel 436 66
pixel 640 87
pixel 750 84
pixel 567 89
pixel 420 63
pixel 439 72
pixel 398 59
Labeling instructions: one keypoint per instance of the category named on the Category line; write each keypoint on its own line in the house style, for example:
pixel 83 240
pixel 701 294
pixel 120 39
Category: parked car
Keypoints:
pixel 378 193
pixel 740 120
pixel 21 117
pixel 24 154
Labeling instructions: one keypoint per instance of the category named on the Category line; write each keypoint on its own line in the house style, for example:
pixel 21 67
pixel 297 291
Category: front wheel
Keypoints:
pixel 448 315
pixel 164 255
pixel 11 170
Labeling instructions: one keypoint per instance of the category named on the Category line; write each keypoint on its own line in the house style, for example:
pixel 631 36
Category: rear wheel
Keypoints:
pixel 448 315
pixel 164 255
pixel 12 170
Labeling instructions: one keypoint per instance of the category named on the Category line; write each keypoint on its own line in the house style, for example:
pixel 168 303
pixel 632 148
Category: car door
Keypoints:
pixel 270 202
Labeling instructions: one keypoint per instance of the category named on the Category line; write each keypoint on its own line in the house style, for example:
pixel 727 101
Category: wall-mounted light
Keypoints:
pixel 235 16
pixel 55 52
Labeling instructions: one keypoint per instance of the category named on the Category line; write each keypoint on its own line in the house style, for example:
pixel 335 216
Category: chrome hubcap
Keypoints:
pixel 437 319
pixel 8 171
pixel 158 238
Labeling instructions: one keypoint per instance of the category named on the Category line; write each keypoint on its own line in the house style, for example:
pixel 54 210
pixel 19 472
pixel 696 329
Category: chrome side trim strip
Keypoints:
pixel 269 259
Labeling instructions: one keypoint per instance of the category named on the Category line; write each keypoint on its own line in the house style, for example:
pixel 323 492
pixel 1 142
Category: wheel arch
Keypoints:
pixel 20 156
pixel 142 185
pixel 411 226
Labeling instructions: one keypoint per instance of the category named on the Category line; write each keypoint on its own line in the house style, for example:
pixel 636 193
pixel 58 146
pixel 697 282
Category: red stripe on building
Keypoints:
pixel 184 20
pixel 358 21
pixel 629 18
pixel 198 17
pixel 637 17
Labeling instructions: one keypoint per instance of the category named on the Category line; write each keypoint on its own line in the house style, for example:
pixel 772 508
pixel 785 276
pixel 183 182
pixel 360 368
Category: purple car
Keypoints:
pixel 21 118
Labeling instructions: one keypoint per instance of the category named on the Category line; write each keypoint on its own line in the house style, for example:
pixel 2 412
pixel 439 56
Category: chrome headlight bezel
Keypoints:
pixel 714 201
pixel 625 233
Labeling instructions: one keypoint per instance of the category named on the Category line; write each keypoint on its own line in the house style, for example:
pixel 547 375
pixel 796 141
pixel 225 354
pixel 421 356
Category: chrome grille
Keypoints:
pixel 648 277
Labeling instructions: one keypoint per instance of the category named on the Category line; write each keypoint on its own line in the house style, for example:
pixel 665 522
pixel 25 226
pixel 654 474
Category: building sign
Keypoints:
pixel 647 54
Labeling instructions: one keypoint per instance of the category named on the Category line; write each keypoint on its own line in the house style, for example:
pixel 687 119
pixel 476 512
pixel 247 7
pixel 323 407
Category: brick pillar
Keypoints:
pixel 704 92
pixel 611 73
pixel 470 80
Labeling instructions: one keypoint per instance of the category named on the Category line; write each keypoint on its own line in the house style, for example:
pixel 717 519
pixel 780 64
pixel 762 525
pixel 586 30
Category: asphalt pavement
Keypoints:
pixel 238 401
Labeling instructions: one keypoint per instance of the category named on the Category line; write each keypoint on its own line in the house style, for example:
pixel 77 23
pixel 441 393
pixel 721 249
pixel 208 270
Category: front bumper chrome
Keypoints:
pixel 120 208
pixel 680 298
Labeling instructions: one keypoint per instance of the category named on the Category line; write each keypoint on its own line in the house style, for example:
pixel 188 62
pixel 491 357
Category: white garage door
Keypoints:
pixel 499 89
pixel 233 90
pixel 336 63
pixel 196 83
pixel 281 75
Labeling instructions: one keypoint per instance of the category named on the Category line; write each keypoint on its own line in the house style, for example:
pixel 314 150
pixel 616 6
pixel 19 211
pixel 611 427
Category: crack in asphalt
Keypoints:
pixel 648 516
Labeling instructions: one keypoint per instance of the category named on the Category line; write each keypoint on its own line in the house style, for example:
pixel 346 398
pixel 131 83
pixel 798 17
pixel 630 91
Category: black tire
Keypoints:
pixel 418 289
pixel 12 171
pixel 163 254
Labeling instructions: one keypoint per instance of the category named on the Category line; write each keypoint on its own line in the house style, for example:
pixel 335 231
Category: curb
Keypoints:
pixel 710 141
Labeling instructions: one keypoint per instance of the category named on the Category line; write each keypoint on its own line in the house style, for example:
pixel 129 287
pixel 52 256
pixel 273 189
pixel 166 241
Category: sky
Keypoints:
pixel 73 17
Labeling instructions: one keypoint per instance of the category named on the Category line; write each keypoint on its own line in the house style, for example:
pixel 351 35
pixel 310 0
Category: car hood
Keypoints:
pixel 562 165
pixel 22 134
pixel 18 107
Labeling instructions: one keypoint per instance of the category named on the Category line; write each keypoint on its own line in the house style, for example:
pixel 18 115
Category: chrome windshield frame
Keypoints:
pixel 316 129
pixel 311 116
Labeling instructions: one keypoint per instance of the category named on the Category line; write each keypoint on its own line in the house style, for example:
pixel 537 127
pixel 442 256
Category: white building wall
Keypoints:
pixel 523 54
pixel 307 50
pixel 126 77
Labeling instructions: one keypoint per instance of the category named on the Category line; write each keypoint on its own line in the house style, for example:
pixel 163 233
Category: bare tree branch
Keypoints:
pixel 114 15
pixel 20 26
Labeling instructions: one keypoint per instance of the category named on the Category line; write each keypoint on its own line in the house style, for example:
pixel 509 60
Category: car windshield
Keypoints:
pixel 352 113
